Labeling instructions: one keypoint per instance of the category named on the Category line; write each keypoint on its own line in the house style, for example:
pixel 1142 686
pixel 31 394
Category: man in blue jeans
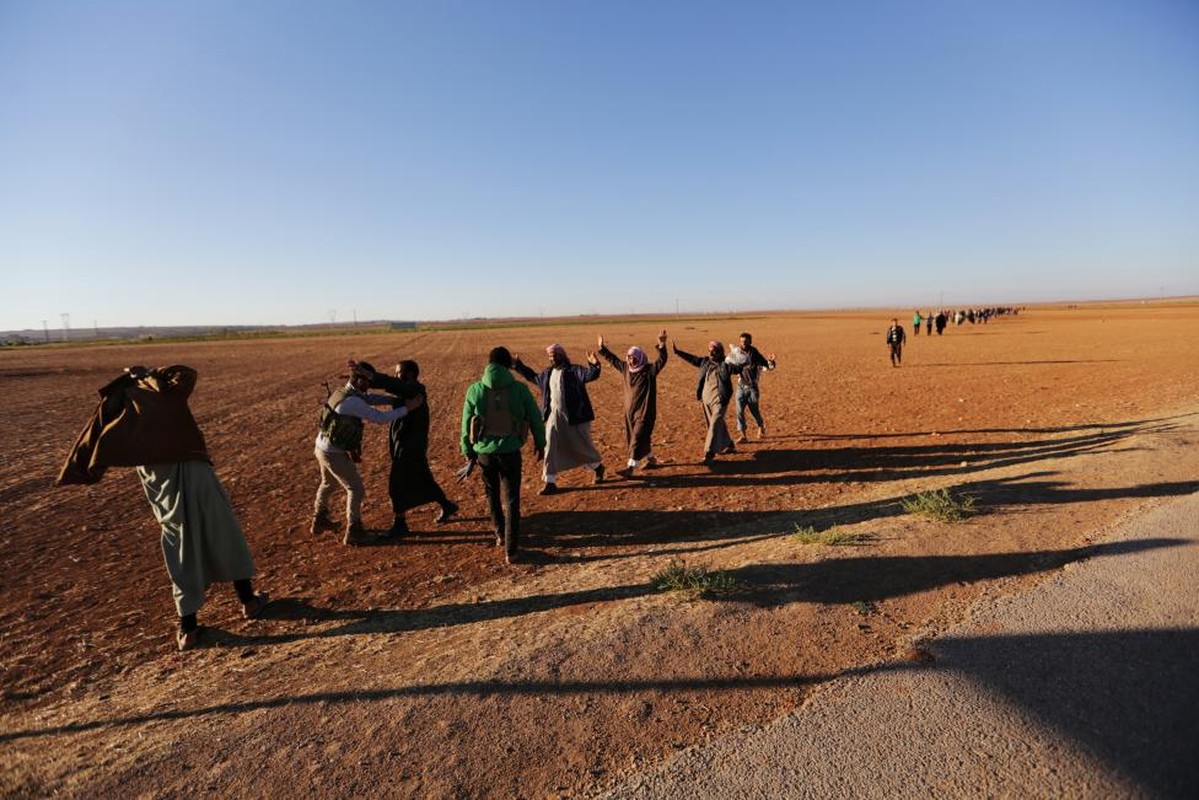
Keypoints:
pixel 748 393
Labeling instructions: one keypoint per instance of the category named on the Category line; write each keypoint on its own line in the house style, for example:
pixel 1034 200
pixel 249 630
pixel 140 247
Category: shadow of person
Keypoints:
pixel 877 578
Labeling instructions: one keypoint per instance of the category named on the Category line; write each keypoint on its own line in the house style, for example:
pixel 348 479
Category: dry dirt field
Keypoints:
pixel 429 668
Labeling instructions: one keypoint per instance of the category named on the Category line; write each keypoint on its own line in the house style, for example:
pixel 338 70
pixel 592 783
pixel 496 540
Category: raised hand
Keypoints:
pixel 599 340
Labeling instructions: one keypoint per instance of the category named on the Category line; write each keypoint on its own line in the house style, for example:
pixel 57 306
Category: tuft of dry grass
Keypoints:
pixel 940 505
pixel 833 537
pixel 693 583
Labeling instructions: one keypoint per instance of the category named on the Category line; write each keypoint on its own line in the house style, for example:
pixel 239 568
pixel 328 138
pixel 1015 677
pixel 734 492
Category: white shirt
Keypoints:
pixel 356 405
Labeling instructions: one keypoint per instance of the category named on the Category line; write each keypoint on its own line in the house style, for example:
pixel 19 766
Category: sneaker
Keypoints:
pixel 709 458
pixel 355 535
pixel 625 473
pixel 499 540
pixel 253 609
pixel 652 463
pixel 761 431
pixel 549 488
pixel 447 511
pixel 321 522
pixel 187 640
pixel 742 438
pixel 729 449
pixel 398 528
pixel 599 473
pixel 512 557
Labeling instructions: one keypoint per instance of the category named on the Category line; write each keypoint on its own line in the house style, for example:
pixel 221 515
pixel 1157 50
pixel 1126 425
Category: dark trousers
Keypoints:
pixel 501 471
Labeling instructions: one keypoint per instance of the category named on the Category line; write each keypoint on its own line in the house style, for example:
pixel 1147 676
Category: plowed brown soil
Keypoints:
pixel 429 668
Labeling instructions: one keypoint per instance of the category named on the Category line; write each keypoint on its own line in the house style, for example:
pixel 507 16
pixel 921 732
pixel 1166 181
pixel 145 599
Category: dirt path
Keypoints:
pixel 429 668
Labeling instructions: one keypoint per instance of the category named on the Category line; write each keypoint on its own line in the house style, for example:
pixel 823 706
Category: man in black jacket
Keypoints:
pixel 566 410
pixel 749 394
pixel 410 483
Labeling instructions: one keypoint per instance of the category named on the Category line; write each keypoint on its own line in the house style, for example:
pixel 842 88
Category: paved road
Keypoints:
pixel 1085 686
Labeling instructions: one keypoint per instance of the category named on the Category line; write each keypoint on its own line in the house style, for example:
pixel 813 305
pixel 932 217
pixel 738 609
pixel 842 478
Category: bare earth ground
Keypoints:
pixel 429 668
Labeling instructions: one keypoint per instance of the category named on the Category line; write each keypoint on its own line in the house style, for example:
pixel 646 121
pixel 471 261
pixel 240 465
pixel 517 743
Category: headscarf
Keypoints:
pixel 555 348
pixel 637 356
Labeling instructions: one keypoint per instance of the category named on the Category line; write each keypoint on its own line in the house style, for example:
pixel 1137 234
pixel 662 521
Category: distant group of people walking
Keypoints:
pixel 895 336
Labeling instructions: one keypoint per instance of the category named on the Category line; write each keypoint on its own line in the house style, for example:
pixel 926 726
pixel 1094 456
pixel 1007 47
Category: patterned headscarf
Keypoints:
pixel 637 359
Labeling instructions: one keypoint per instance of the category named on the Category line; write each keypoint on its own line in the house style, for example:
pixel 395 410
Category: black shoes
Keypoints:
pixel 549 488
pixel 599 473
pixel 321 522
pixel 355 535
pixel 398 528
pixel 447 511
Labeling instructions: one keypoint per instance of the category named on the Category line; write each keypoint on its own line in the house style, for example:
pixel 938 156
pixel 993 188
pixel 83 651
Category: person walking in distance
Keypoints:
pixel 895 340
pixel 640 378
pixel 143 421
pixel 339 446
pixel 497 415
pixel 410 482
pixel 567 413
pixel 713 389
pixel 749 392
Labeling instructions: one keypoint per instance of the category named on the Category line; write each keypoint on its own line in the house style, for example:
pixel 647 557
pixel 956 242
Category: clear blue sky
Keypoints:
pixel 279 161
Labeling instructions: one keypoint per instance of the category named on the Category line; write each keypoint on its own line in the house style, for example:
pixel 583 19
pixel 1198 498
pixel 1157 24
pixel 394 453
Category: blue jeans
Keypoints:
pixel 747 396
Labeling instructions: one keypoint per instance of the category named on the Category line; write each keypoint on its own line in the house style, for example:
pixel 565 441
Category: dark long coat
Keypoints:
pixel 410 482
pixel 640 400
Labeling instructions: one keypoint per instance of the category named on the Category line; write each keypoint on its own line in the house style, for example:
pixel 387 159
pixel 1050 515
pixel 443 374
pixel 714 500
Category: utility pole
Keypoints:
pixel 46 330
pixel 66 325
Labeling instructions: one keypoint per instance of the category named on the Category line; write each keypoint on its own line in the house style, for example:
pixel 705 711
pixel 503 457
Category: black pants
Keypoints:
pixel 502 471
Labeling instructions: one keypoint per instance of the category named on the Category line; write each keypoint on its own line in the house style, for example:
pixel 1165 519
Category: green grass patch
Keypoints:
pixel 940 505
pixel 864 607
pixel 693 583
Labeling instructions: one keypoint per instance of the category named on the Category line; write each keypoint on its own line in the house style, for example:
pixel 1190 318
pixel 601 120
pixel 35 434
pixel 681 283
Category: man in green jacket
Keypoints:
pixel 497 415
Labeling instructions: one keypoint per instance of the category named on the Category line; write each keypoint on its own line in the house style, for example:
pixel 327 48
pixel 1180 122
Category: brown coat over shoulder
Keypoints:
pixel 138 421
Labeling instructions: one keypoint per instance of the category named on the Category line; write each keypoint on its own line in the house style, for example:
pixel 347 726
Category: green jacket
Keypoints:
pixel 521 404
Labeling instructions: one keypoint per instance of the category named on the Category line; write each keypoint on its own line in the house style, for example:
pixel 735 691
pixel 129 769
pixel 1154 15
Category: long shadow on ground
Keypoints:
pixel 873 578
pixel 804 465
pixel 1130 697
pixel 688 531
